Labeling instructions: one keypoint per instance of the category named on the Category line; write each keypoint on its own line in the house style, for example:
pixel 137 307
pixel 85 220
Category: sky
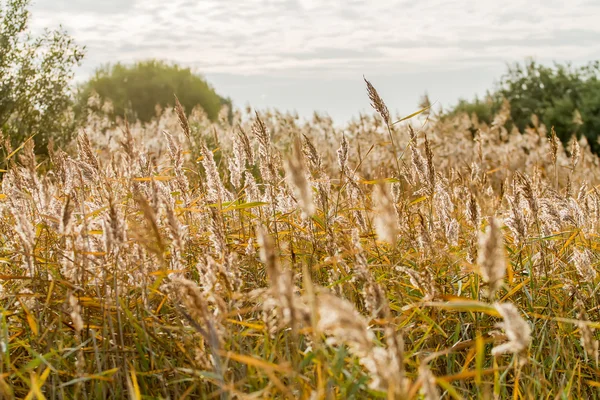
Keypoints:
pixel 311 55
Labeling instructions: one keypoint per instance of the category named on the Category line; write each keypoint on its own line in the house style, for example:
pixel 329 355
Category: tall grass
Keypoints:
pixel 271 258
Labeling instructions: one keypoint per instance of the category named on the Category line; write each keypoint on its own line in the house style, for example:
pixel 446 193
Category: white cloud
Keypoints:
pixel 335 39
pixel 258 36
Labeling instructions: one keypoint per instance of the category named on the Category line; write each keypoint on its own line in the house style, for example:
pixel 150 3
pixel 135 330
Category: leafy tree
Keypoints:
pixel 590 111
pixel 136 90
pixel 562 96
pixel 35 74
pixel 550 93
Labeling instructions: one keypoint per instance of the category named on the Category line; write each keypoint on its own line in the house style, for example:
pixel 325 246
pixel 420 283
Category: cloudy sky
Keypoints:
pixel 310 55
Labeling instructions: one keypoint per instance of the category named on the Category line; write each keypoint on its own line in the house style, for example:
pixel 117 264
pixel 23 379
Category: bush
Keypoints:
pixel 34 79
pixel 483 109
pixel 136 90
pixel 562 96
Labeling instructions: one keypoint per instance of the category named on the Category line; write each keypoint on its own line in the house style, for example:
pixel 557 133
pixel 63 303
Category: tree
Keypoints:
pixel 35 73
pixel 136 90
pixel 562 96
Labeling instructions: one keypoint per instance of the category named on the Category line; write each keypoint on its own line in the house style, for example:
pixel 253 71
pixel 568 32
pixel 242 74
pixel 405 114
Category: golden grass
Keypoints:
pixel 270 258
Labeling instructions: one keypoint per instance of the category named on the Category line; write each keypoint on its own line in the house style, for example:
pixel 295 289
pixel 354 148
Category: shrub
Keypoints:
pixel 483 109
pixel 136 90
pixel 562 96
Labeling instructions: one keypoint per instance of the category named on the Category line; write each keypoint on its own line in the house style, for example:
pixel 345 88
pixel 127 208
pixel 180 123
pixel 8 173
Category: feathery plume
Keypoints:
pixel 183 121
pixel 575 152
pixel 422 280
pixel 75 314
pixel 516 221
pixel 554 145
pixel 281 281
pixel 216 192
pixel 266 160
pixel 428 387
pixel 312 155
pixel 430 166
pixel 296 175
pixel 237 165
pixel 65 221
pixel 245 144
pixel 589 344
pixel 517 330
pixel 386 224
pixel 473 212
pixel 525 186
pixel 342 154
pixel 377 102
pixel 87 154
pixel 491 259
pixel 340 320
pixel 582 259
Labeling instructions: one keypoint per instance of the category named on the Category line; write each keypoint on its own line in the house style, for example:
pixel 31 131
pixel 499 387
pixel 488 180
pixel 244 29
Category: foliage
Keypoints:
pixel 135 90
pixel 561 96
pixel 483 109
pixel 34 78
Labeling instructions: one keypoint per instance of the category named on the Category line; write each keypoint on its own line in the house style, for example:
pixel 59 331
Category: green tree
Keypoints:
pixel 590 112
pixel 553 94
pixel 562 96
pixel 136 90
pixel 35 74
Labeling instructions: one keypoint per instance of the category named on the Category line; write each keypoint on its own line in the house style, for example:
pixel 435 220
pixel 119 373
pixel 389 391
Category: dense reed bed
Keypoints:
pixel 272 258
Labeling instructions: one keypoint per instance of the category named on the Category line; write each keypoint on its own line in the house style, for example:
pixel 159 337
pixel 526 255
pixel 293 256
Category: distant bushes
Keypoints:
pixel 562 96
pixel 135 90
pixel 484 109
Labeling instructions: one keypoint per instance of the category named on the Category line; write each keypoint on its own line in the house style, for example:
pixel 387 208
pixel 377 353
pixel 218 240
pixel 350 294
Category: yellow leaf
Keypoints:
pixel 255 362
pixel 166 272
pixel 44 376
pixel 32 324
pixel 35 391
pixel 479 357
pixel 515 289
pixel 465 305
pixel 93 253
pixel 376 181
pixel 568 242
pixel 134 387
pixel 417 201
pixel 412 115
pixel 461 376
pixel 491 171
pixel 258 327
pixel 153 178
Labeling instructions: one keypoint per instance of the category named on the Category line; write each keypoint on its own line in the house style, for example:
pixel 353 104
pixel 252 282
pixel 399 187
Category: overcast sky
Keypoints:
pixel 310 55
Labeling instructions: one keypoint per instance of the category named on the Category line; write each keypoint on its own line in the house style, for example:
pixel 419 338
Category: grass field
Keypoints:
pixel 272 258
